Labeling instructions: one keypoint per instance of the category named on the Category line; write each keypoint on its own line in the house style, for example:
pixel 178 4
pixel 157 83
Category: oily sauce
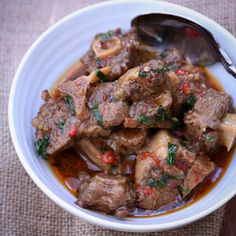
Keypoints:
pixel 68 164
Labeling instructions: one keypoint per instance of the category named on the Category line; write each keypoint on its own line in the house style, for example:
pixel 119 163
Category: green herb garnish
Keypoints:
pixel 61 124
pixel 209 138
pixel 151 182
pixel 41 146
pixel 183 190
pixel 97 115
pixel 161 69
pixel 176 123
pixel 101 76
pixel 103 149
pixel 144 119
pixel 162 115
pixel 160 182
pixel 70 104
pixel 105 37
pixel 172 149
pixel 143 74
pixel 189 103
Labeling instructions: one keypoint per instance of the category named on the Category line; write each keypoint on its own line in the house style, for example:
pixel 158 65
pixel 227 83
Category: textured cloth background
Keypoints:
pixel 24 209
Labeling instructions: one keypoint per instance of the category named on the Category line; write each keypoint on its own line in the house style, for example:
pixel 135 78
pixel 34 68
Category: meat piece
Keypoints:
pixel 78 89
pixel 158 146
pixel 91 128
pixel 54 120
pixel 157 198
pixel 101 93
pixel 157 181
pixel 140 82
pixel 201 168
pixel 183 82
pixel 120 60
pixel 207 113
pixel 173 58
pixel 127 140
pixel 151 112
pixel 113 113
pixel 107 193
pixel 155 187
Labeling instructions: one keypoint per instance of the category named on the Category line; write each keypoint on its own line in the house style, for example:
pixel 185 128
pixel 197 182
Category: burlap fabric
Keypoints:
pixel 24 209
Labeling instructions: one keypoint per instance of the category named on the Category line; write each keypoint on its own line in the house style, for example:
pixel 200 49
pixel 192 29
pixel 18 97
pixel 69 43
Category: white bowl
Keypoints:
pixel 58 48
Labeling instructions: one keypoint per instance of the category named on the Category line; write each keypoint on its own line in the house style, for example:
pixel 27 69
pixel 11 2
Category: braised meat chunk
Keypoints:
pixel 112 49
pixel 203 122
pixel 133 129
pixel 53 124
pixel 107 193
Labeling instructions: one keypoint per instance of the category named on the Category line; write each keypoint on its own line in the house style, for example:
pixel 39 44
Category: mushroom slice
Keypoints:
pixel 108 47
pixel 227 131
pixel 92 152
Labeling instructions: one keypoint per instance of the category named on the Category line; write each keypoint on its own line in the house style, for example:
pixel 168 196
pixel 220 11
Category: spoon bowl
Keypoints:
pixel 165 31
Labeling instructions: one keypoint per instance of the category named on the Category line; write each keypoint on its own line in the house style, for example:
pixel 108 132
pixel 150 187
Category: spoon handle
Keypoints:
pixel 226 61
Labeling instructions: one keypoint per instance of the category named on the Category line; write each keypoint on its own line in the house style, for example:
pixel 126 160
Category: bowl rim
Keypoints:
pixel 77 212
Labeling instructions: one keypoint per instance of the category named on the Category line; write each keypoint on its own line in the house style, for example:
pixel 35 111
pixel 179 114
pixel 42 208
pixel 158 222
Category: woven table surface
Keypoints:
pixel 24 208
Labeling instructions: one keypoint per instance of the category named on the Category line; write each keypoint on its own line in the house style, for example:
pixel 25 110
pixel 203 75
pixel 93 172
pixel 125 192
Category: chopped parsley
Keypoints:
pixel 172 149
pixel 183 190
pixel 97 115
pixel 70 104
pixel 105 37
pixel 61 124
pixel 209 138
pixel 41 146
pixel 101 76
pixel 103 149
pixel 162 182
pixel 176 123
pixel 144 119
pixel 162 115
pixel 189 103
pixel 161 69
pixel 143 74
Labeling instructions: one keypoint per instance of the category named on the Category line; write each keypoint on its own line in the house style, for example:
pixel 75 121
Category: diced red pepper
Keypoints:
pixel 180 72
pixel 108 157
pixel 202 91
pixel 148 191
pixel 185 88
pixel 73 131
pixel 146 154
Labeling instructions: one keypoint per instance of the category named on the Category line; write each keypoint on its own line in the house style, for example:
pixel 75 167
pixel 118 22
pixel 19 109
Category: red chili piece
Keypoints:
pixel 108 157
pixel 73 131
pixel 180 72
pixel 185 88
pixel 148 191
pixel 146 154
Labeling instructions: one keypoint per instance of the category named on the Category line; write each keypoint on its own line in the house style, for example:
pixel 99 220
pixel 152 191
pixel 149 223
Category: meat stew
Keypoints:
pixel 131 130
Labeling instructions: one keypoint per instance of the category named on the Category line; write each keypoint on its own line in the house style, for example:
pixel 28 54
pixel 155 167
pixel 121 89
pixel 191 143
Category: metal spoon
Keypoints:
pixel 197 43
